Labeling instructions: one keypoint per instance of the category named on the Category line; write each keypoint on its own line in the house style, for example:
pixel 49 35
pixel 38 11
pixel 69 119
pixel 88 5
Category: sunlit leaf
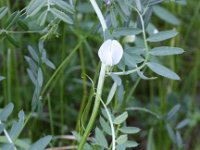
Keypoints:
pixel 165 15
pixel 122 139
pixel 35 6
pixel 129 130
pixel 61 15
pixel 111 93
pixel 41 143
pixel 17 126
pixel 3 12
pixel 161 36
pixel 100 138
pixel 163 71
pixel 131 144
pixel 121 118
pixel 105 126
pixel 165 50
pixel 64 5
pixel 126 31
pixel 5 113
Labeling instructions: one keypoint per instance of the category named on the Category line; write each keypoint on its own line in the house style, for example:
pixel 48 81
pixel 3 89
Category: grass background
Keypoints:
pixel 70 90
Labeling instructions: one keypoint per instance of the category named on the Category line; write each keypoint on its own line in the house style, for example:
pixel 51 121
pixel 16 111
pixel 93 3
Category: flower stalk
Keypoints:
pixel 96 106
pixel 110 53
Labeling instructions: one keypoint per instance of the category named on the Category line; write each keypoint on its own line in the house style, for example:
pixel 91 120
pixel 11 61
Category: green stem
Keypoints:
pixel 95 108
pixel 91 95
pixel 99 14
pixel 9 75
pixel 62 83
pixel 50 115
pixel 100 82
pixel 85 90
pixel 111 125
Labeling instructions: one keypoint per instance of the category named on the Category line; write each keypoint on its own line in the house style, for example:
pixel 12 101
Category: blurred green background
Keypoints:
pixel 71 88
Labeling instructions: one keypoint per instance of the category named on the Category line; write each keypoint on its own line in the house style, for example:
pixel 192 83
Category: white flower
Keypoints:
pixel 110 52
pixel 155 31
pixel 129 39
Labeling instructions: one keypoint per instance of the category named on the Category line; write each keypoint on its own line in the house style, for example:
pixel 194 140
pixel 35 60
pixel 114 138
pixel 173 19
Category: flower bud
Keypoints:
pixel 110 52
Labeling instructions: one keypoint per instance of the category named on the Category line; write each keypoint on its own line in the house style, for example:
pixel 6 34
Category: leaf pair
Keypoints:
pixel 58 8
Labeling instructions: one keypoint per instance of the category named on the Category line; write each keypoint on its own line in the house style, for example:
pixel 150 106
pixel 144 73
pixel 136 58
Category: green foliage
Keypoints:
pixel 68 27
pixel 5 113
pixel 41 143
pixel 163 71
pixel 161 36
pixel 58 8
pixel 3 11
pixel 35 72
pixel 121 118
pixel 2 78
pixel 12 141
pixel 165 51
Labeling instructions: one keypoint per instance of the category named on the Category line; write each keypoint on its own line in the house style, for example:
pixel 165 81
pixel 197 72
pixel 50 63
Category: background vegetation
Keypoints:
pixel 66 86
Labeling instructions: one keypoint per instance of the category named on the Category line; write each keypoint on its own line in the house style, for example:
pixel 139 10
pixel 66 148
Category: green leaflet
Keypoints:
pixel 3 12
pixel 61 15
pixel 41 143
pixel 166 50
pixel 126 31
pixel 165 15
pixel 163 35
pixel 163 71
pixel 121 118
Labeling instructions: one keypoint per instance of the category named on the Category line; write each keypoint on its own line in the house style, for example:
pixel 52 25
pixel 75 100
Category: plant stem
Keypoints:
pixel 85 90
pixel 91 95
pixel 95 108
pixel 50 115
pixel 99 14
pixel 9 75
pixel 8 137
pixel 111 125
pixel 100 82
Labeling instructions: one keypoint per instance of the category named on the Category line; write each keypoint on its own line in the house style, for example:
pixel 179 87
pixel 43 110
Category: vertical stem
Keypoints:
pixel 95 108
pixel 91 95
pixel 62 83
pixel 16 90
pixel 147 56
pixel 85 91
pixel 9 75
pixel 99 14
pixel 50 114
pixel 100 82
pixel 5 75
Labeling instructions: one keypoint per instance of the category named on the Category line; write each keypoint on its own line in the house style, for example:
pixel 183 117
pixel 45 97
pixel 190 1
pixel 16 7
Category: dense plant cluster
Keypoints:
pixel 71 69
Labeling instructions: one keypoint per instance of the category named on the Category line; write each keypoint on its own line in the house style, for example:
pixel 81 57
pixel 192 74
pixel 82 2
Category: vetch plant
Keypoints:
pixel 12 141
pixel 131 48
pixel 136 59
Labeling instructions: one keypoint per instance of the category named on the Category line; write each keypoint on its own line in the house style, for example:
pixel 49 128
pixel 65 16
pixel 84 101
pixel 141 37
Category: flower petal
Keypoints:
pixel 110 52
pixel 104 51
pixel 116 52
